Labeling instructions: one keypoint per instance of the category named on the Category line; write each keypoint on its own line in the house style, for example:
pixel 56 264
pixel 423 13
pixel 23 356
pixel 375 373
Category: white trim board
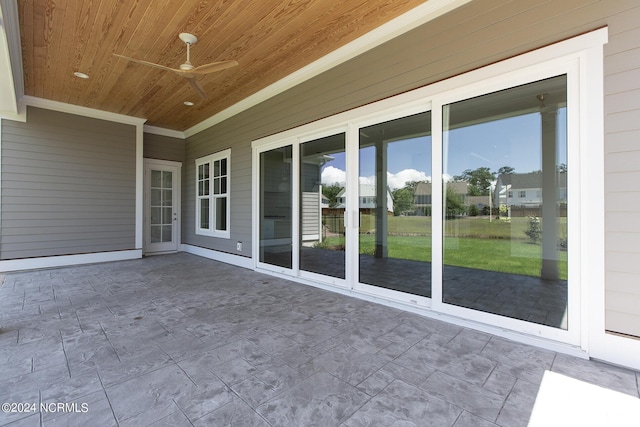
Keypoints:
pixel 237 260
pixel 164 132
pixel 404 23
pixel 67 260
pixel 63 107
pixel 139 188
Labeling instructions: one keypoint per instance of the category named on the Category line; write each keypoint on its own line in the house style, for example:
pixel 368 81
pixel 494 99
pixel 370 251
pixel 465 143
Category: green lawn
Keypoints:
pixel 469 242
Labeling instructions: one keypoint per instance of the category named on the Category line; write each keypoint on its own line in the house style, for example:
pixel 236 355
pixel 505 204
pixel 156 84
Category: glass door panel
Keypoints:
pixel 322 206
pixel 161 206
pixel 505 203
pixel 161 229
pixel 395 205
pixel 276 207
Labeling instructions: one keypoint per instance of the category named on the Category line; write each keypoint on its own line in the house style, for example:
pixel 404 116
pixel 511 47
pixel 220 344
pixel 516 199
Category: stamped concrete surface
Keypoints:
pixel 180 340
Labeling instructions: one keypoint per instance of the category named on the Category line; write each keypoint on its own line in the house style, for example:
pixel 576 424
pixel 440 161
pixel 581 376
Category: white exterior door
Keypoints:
pixel 161 206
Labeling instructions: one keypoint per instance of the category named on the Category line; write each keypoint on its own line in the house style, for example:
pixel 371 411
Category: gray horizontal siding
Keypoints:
pixel 162 147
pixel 622 172
pixel 477 34
pixel 68 185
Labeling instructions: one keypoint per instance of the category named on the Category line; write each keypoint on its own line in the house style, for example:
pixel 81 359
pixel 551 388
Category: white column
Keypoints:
pixel 549 196
pixel 382 220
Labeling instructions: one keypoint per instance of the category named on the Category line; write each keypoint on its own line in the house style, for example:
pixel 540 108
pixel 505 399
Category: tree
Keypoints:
pixel 402 200
pixel 412 185
pixel 331 193
pixel 479 180
pixel 506 170
pixel 454 204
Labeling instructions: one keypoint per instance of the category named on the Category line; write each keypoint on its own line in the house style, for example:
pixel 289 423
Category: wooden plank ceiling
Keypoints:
pixel 269 38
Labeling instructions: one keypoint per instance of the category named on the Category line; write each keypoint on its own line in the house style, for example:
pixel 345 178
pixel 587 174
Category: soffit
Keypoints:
pixel 270 39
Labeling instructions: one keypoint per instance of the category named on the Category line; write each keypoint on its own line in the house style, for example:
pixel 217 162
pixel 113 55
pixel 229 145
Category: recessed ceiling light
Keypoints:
pixel 81 75
pixel 188 103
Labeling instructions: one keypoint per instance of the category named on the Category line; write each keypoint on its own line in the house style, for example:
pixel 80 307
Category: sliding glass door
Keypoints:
pixel 276 208
pixel 505 239
pixel 394 187
pixel 323 194
pixel 463 202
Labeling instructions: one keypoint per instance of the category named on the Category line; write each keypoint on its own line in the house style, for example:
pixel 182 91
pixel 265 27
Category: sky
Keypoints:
pixel 513 142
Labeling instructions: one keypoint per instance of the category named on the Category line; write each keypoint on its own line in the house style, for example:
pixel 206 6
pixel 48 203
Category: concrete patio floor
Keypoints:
pixel 180 340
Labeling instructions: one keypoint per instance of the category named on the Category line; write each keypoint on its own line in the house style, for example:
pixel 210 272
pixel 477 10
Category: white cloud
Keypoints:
pixel 367 180
pixel 400 179
pixel 332 175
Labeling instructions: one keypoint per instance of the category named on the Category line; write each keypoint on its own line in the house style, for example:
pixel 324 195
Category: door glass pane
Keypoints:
pixel 156 217
pixel 156 178
pixel 167 179
pixel 322 199
pixel 156 233
pixel 167 231
pixel 167 197
pixel 395 204
pixel 166 216
pixel 505 198
pixel 156 197
pixel 276 207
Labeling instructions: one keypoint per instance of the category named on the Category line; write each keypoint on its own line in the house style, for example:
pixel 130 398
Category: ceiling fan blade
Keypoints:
pixel 213 67
pixel 150 64
pixel 197 87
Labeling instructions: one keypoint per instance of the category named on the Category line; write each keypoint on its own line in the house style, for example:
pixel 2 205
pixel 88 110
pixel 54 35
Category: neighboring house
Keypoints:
pixel 423 195
pixel 525 189
pixel 366 198
pixel 81 185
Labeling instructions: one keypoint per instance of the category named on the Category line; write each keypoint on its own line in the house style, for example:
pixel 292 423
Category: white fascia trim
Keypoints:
pixel 237 260
pixel 164 132
pixel 419 15
pixel 67 260
pixel 63 107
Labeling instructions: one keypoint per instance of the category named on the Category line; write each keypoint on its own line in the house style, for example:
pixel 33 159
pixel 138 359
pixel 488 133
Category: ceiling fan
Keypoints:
pixel 187 70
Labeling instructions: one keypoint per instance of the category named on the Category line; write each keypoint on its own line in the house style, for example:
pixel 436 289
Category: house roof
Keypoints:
pixel 528 180
pixel 424 188
pixel 277 43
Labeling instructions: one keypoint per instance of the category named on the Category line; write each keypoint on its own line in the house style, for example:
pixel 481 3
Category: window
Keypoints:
pixel 522 194
pixel 212 199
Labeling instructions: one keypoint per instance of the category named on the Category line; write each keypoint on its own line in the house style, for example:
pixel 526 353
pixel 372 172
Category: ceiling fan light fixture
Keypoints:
pixel 188 70
pixel 189 103
pixel 81 75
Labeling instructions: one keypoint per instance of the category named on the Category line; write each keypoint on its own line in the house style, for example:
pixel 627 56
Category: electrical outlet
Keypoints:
pixel 239 246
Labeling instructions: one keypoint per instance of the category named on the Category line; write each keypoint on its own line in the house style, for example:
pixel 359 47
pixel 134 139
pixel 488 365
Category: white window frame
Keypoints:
pixel 211 231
